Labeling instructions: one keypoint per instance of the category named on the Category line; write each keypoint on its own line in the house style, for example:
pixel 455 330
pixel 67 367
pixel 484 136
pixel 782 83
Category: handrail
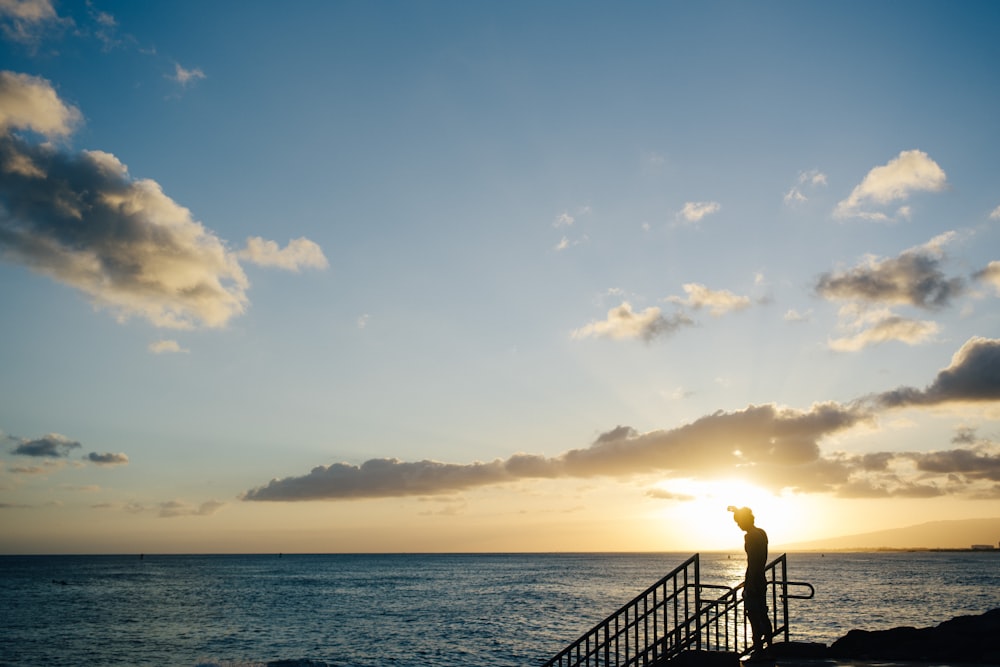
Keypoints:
pixel 672 616
pixel 650 627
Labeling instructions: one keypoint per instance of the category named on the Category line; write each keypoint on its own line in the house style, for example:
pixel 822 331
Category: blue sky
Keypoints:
pixel 345 276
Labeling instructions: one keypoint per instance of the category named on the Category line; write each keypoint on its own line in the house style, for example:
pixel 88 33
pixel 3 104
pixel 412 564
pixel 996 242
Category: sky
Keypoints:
pixel 495 276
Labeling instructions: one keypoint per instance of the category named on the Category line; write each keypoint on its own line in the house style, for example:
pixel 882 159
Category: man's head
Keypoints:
pixel 743 517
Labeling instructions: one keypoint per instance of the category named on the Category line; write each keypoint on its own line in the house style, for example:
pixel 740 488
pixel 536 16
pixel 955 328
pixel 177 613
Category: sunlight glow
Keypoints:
pixel 698 518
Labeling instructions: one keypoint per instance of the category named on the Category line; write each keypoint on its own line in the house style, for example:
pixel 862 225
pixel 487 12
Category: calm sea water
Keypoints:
pixel 479 610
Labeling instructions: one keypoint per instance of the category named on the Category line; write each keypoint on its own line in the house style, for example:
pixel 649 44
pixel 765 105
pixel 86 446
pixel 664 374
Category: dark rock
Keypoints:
pixel 962 639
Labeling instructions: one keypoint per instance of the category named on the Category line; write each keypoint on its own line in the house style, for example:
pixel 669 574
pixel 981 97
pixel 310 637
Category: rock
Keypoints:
pixel 962 639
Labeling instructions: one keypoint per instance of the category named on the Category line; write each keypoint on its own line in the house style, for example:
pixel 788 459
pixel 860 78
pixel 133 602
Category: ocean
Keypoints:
pixel 420 610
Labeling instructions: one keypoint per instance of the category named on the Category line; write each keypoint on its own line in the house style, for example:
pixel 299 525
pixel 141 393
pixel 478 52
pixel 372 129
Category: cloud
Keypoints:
pixel 52 445
pixel 166 347
pixel 694 211
pixel 299 253
pixel 909 172
pixel 792 315
pixel 82 220
pixel 880 327
pixel 25 20
pixel 812 179
pixel 978 463
pixel 29 102
pixel 624 323
pixel 995 214
pixel 777 445
pixel 107 458
pixel 381 478
pixel 990 275
pixel 913 278
pixel 185 76
pixel 132 249
pixel 563 220
pixel 175 508
pixel 718 302
pixel 664 494
pixel 969 471
pixel 973 376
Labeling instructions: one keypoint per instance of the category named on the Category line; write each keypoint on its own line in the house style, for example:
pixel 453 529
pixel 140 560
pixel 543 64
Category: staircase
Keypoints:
pixel 679 613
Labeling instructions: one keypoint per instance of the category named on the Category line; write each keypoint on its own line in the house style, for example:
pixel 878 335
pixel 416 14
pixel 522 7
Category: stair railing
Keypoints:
pixel 654 624
pixel 673 615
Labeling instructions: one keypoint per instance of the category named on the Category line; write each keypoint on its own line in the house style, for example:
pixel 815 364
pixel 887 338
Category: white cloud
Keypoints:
pixel 793 315
pixel 166 347
pixel 185 76
pixel 995 215
pixel 718 302
pixel 299 253
pixel 623 323
pixel 132 249
pixel 795 196
pixel 990 275
pixel 694 211
pixel 892 328
pixel 23 20
pixel 27 10
pixel 874 326
pixel 812 178
pixel 143 254
pixel 909 172
pixel 30 102
pixel 563 220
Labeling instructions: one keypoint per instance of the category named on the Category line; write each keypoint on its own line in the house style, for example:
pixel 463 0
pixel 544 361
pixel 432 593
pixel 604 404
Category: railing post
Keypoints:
pixel 697 598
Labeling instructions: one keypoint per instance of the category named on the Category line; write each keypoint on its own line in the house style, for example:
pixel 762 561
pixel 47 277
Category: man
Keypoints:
pixel 755 583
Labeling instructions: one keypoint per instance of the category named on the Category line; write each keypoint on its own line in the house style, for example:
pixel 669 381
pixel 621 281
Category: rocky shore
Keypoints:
pixel 963 639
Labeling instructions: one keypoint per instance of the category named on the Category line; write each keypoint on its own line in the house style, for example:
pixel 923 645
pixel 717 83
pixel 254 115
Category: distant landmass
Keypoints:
pixel 959 534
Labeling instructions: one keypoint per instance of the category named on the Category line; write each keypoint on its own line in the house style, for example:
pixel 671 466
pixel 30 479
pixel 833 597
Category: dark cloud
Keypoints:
pixel 913 278
pixel 755 436
pixel 107 458
pixel 380 478
pixel 970 463
pixel 52 445
pixel 784 441
pixel 775 447
pixel 972 376
pixel 84 221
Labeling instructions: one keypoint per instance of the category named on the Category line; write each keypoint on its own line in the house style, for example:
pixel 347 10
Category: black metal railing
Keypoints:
pixel 673 615
pixel 645 630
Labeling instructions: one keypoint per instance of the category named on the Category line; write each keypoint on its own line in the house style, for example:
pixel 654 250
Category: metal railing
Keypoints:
pixel 724 626
pixel 673 615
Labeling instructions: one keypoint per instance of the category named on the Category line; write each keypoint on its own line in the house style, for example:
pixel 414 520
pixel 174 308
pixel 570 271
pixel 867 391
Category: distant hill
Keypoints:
pixel 960 534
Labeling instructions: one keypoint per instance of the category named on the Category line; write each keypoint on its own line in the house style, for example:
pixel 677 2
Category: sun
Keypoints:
pixel 697 518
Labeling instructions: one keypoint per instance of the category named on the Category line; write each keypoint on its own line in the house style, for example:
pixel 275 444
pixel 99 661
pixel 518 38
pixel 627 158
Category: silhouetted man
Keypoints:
pixel 755 583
